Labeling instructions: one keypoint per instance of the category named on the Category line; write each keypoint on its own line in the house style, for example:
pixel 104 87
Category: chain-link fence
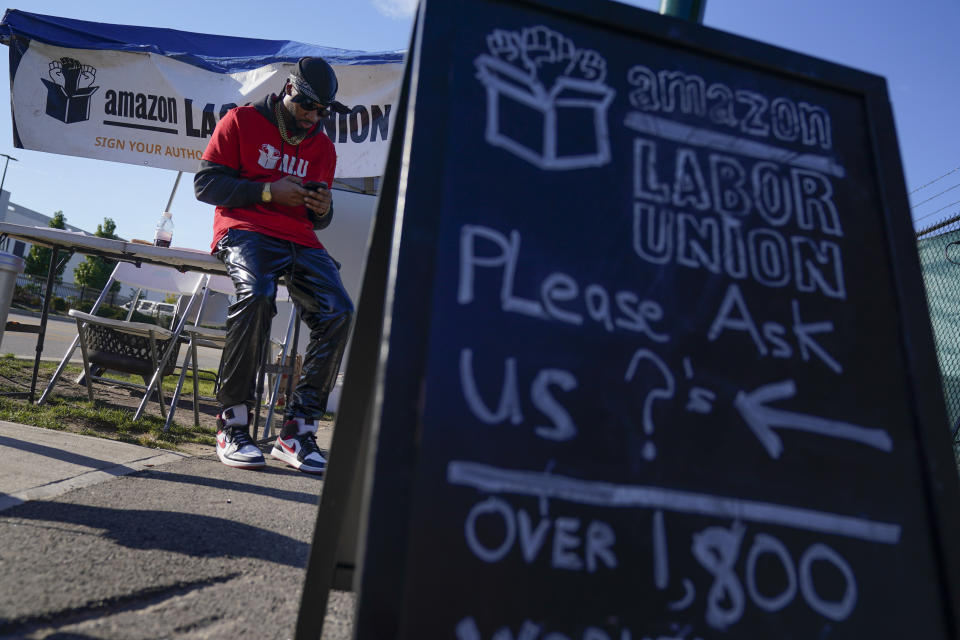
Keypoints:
pixel 939 248
pixel 29 290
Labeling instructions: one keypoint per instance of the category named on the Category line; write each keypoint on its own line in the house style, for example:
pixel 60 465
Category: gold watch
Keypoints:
pixel 265 194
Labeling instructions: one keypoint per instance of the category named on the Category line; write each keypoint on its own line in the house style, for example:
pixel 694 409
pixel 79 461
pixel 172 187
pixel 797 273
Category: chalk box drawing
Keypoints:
pixel 546 100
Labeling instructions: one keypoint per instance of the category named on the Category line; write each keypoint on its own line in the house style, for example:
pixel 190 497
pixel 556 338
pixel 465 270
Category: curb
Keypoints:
pixel 51 485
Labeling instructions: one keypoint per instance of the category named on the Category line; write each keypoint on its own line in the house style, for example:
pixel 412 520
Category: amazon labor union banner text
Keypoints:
pixel 153 110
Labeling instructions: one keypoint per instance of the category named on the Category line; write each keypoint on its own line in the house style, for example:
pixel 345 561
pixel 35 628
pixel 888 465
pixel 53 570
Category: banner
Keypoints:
pixel 152 97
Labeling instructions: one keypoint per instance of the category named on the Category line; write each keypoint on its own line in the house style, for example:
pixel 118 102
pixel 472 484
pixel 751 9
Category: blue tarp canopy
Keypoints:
pixel 224 54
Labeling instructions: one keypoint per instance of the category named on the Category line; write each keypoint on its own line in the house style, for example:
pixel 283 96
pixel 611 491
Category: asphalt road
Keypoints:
pixel 184 549
pixel 61 331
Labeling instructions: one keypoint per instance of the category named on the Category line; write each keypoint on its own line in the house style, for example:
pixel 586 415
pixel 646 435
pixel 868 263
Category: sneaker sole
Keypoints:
pixel 292 460
pixel 259 464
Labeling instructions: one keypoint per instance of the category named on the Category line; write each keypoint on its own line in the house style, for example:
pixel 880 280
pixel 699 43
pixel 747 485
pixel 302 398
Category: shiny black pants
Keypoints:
pixel 255 262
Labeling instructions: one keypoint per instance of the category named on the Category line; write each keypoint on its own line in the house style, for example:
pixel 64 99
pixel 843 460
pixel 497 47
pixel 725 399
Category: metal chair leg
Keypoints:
pixel 196 385
pixel 86 365
pixel 260 376
pixel 292 329
pixel 176 393
pixel 157 380
pixel 56 374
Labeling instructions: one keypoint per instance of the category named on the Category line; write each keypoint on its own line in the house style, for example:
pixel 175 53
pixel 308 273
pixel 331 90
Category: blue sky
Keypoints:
pixel 914 49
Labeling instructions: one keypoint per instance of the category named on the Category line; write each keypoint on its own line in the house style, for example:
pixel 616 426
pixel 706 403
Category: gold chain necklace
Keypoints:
pixel 292 140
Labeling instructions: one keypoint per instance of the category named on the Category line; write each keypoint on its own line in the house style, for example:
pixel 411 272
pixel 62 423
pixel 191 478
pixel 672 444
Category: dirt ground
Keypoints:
pixel 119 397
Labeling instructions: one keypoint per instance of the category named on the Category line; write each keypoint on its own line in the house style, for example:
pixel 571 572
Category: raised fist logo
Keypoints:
pixel 546 55
pixel 505 45
pixel 549 92
pixel 71 75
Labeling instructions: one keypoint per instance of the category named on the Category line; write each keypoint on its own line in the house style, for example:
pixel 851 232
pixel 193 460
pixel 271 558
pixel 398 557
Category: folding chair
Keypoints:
pixel 203 332
pixel 283 340
pixel 126 346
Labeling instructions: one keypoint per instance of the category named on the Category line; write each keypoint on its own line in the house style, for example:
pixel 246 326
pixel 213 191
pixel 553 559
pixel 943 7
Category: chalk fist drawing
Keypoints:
pixel 505 45
pixel 546 99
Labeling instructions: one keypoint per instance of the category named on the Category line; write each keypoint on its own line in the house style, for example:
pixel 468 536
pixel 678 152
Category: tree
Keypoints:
pixel 95 271
pixel 38 260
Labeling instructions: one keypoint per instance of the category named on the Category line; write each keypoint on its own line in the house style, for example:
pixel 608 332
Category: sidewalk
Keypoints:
pixel 36 464
pixel 103 539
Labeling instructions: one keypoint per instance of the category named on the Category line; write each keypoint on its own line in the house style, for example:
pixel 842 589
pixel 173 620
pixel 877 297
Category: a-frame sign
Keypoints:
pixel 642 349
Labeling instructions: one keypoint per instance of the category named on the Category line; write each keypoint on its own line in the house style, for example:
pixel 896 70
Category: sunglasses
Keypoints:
pixel 309 105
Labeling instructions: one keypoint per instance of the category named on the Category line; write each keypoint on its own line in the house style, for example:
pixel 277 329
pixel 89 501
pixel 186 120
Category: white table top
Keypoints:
pixel 180 258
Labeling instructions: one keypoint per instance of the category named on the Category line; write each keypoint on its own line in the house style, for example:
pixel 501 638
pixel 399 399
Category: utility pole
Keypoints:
pixel 691 10
pixel 5 164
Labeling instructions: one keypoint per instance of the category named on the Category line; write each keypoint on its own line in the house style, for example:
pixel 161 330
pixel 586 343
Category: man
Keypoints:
pixel 262 169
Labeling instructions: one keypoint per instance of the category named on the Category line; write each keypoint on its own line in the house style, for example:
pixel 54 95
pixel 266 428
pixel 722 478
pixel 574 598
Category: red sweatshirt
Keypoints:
pixel 246 140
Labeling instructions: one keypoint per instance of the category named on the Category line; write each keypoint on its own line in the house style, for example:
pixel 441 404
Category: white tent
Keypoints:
pixel 152 96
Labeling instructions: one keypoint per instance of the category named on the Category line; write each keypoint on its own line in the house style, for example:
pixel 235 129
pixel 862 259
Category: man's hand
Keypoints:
pixel 319 200
pixel 289 191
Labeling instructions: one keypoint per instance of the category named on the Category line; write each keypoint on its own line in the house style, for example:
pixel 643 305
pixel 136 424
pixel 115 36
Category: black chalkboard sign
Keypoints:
pixel 650 355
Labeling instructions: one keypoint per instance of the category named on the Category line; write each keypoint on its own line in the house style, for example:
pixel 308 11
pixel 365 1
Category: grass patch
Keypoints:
pixel 69 411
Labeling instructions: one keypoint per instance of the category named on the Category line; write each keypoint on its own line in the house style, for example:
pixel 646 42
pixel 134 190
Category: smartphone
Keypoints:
pixel 315 186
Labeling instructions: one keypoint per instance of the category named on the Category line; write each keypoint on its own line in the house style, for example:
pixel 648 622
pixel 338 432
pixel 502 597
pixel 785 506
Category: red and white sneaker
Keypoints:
pixel 236 448
pixel 299 450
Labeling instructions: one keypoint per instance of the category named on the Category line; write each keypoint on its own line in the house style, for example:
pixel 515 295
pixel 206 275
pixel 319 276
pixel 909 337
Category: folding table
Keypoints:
pixel 73 241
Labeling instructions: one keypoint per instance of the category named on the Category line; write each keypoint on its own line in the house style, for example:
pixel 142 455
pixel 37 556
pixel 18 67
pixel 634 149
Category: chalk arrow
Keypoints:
pixel 762 420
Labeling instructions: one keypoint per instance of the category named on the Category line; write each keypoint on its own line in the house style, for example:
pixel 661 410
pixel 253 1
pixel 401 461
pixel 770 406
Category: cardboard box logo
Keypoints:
pixel 69 90
pixel 546 100
pixel 269 156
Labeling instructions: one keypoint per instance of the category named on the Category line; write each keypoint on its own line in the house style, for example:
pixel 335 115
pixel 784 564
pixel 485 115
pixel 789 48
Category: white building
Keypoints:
pixel 15 214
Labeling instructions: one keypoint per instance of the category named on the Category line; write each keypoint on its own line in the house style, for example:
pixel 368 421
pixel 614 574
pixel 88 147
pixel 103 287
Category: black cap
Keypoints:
pixel 314 78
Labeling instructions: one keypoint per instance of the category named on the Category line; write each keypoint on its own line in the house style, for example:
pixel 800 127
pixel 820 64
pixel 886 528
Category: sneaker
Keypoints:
pixel 299 450
pixel 235 448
